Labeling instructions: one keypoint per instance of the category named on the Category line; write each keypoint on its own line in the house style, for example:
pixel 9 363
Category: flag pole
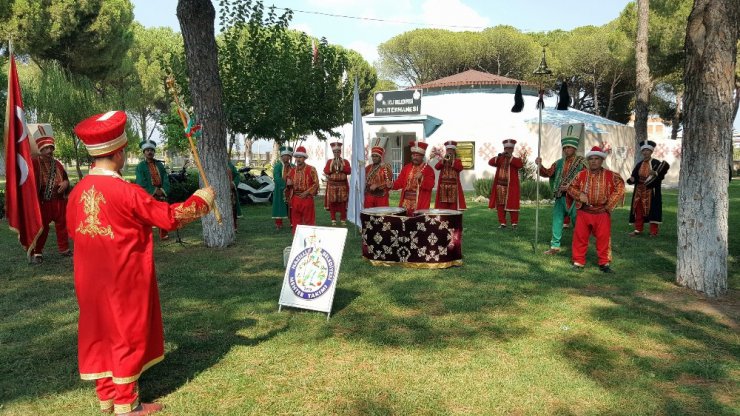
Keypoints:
pixel 541 72
pixel 193 149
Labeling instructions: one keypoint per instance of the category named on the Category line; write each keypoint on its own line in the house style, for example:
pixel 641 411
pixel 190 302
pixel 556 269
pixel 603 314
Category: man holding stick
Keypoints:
pixel 120 332
pixel 561 174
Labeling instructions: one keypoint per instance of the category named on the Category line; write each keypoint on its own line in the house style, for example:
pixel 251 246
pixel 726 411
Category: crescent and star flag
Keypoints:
pixel 314 52
pixel 357 180
pixel 21 196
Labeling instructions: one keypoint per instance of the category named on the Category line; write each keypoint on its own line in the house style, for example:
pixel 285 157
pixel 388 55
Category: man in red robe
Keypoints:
pixel 53 184
pixel 505 192
pixel 449 189
pixel 337 186
pixel 415 181
pixel 597 191
pixel 647 199
pixel 302 183
pixel 110 220
pixel 378 180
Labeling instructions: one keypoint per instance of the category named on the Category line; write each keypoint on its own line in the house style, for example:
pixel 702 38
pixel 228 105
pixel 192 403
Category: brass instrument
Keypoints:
pixel 660 170
pixel 567 179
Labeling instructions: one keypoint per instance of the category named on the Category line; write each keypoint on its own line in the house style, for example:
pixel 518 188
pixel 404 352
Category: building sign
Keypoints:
pixel 313 268
pixel 466 154
pixel 398 103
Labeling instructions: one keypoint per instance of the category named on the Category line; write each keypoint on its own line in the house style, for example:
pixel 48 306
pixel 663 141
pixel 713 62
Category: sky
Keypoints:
pixel 364 35
pixel 400 16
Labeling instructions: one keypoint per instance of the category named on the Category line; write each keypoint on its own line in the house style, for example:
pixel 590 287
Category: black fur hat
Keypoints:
pixel 518 100
pixel 564 97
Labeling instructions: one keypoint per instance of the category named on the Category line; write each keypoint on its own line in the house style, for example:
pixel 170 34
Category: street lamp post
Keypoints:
pixel 541 72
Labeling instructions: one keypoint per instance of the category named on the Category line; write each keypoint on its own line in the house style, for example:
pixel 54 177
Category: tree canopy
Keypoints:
pixel 85 37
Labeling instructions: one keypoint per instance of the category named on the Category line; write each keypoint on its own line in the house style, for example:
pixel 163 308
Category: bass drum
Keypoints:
pixel 437 212
pixel 383 211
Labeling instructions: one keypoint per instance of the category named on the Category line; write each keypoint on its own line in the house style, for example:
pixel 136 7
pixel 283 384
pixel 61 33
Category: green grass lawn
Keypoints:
pixel 510 332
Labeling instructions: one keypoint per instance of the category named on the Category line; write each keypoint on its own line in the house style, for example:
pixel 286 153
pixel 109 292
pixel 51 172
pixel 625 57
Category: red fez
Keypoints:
pixel 377 151
pixel 451 145
pixel 596 151
pixel 418 147
pixel 300 151
pixel 509 143
pixel 103 134
pixel 335 145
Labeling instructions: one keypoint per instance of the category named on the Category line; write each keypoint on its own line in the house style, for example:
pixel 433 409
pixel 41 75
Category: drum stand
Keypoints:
pixel 178 238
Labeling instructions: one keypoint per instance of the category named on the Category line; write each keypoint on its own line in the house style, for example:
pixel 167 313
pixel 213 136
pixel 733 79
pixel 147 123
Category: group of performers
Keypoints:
pixel 110 221
pixel 587 193
pixel 582 188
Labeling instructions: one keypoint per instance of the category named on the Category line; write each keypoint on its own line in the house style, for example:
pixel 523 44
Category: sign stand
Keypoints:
pixel 313 268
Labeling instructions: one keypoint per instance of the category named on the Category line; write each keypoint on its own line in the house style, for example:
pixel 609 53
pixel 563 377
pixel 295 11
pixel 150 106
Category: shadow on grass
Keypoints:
pixel 212 298
pixel 690 363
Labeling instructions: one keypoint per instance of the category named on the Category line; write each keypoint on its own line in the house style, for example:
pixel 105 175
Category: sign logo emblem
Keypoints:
pixel 311 273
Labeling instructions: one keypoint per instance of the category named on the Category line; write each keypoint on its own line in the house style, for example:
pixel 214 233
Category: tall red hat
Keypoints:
pixel 335 145
pixel 377 151
pixel 103 134
pixel 42 134
pixel 451 144
pixel 509 143
pixel 596 151
pixel 418 147
pixel 300 151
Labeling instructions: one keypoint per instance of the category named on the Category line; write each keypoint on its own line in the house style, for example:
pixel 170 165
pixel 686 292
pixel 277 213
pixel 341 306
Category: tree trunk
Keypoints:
pixel 248 142
pixel 711 36
pixel 196 24
pixel 142 126
pixel 275 152
pixel 676 122
pixel 643 73
pixel 232 140
pixel 596 95
pixel 610 102
pixel 76 143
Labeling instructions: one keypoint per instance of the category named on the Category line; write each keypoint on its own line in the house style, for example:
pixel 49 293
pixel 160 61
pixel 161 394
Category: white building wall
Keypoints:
pixel 486 119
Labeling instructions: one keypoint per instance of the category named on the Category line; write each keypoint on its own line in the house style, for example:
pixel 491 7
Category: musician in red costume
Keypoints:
pixel 597 191
pixel 302 183
pixel 110 220
pixel 53 185
pixel 449 189
pixel 505 192
pixel 378 180
pixel 337 185
pixel 415 181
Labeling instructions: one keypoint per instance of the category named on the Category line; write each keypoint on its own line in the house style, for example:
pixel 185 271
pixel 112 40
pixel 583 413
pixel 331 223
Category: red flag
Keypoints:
pixel 314 52
pixel 21 196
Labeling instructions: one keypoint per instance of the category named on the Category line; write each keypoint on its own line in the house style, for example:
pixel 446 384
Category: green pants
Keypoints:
pixel 559 211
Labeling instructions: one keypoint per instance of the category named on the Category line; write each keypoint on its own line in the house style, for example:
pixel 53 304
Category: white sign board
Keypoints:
pixel 313 268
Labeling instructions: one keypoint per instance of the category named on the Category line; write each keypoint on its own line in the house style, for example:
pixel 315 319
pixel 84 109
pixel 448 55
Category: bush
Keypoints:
pixel 483 187
pixel 2 204
pixel 180 191
pixel 529 190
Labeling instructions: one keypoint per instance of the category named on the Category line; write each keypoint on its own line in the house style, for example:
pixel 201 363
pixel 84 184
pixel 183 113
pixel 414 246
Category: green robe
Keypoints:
pixel 235 179
pixel 144 177
pixel 279 205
